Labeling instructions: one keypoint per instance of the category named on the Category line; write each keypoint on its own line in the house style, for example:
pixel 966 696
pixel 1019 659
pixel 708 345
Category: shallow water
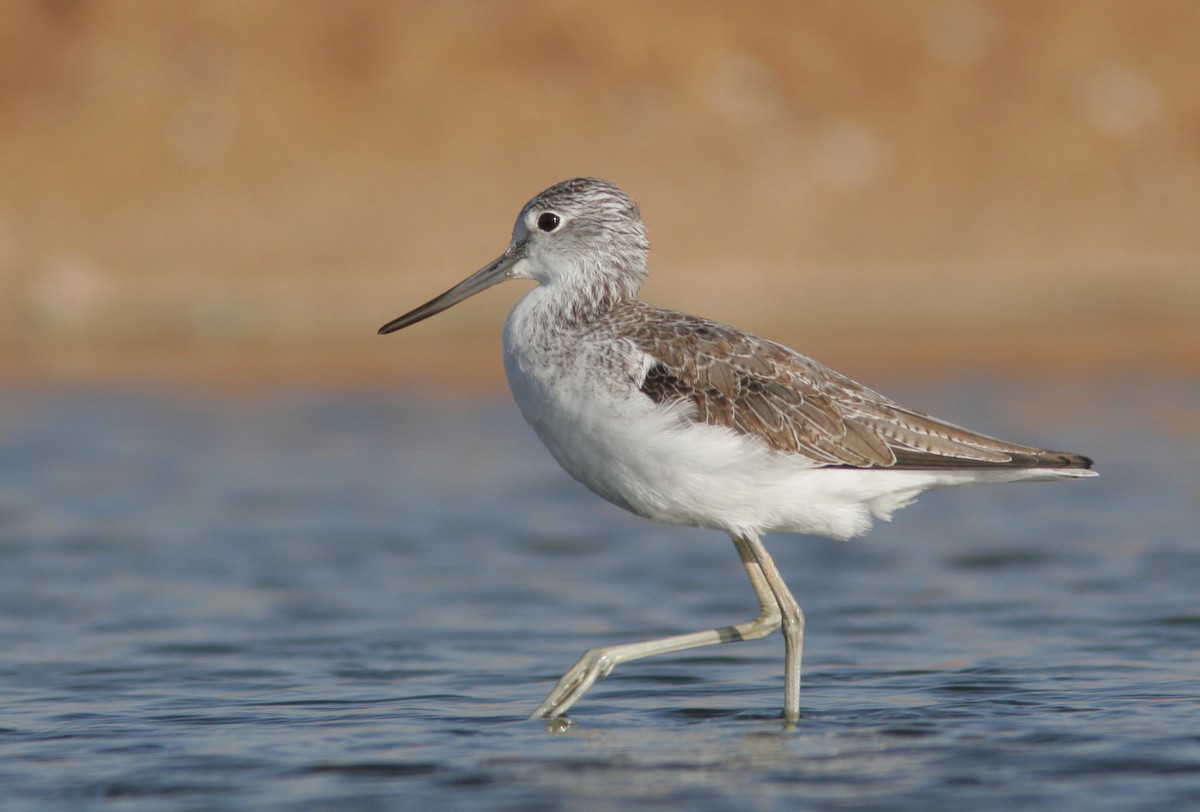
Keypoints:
pixel 352 600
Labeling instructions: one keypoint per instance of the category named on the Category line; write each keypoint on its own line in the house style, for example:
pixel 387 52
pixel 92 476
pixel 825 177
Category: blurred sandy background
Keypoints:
pixel 249 189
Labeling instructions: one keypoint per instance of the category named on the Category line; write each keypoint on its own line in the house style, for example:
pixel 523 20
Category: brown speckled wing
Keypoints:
pixel 797 406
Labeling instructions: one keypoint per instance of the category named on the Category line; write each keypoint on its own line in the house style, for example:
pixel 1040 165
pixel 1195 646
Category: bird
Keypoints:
pixel 691 422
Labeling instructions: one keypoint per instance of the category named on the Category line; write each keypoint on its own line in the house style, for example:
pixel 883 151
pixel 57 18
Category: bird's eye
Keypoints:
pixel 548 221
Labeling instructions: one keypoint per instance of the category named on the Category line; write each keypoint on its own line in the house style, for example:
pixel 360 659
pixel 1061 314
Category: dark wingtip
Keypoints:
pixel 1062 459
pixel 906 459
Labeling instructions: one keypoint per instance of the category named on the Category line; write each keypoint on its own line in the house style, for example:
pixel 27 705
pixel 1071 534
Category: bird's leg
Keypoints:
pixel 599 662
pixel 793 627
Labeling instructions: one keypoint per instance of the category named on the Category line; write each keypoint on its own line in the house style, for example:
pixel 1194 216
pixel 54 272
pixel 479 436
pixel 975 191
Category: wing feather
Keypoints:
pixel 797 406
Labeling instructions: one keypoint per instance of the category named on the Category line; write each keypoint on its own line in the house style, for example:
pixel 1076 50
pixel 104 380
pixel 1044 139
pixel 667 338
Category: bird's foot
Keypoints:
pixel 595 664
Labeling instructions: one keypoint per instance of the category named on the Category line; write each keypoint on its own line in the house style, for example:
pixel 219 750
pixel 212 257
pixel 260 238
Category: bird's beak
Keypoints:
pixel 495 272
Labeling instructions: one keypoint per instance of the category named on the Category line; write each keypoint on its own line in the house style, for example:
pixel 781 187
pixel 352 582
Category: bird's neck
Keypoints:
pixel 572 304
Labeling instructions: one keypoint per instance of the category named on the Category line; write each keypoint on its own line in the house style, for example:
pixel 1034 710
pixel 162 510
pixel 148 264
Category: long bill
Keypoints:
pixel 493 273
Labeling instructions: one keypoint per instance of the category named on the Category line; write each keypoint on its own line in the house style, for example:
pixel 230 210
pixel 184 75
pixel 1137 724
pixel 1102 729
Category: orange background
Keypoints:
pixel 232 188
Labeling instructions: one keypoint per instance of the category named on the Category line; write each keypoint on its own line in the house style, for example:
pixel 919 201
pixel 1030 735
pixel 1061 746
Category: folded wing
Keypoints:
pixel 795 405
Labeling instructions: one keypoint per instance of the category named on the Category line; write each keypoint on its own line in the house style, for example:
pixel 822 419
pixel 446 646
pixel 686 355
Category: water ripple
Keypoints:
pixel 354 600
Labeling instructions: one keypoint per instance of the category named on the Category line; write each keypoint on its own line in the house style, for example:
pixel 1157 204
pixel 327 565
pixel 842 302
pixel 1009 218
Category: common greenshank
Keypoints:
pixel 692 422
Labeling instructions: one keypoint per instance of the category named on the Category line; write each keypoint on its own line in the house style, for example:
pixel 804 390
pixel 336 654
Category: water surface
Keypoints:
pixel 305 599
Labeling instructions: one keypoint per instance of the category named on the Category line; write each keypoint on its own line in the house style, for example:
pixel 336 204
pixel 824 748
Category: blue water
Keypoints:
pixel 298 600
